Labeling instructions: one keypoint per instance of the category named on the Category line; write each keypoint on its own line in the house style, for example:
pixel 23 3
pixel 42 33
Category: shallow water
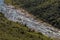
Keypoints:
pixel 1 2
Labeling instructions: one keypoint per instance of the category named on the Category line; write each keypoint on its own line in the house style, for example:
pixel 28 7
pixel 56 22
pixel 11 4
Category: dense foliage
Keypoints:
pixel 47 10
pixel 15 31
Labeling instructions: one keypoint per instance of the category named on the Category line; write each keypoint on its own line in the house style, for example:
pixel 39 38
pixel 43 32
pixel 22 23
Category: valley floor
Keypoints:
pixel 17 15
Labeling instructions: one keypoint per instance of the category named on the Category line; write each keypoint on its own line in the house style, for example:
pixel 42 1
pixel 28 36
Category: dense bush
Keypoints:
pixel 47 10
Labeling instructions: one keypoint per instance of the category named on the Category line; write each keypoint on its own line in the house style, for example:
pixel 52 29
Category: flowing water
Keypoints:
pixel 17 16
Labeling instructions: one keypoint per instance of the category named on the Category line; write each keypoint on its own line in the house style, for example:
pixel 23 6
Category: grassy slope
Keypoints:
pixel 47 10
pixel 15 31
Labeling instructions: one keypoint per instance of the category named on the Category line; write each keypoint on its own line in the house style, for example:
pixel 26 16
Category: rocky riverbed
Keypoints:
pixel 17 15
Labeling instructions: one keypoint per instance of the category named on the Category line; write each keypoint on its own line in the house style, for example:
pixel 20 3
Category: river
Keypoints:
pixel 17 16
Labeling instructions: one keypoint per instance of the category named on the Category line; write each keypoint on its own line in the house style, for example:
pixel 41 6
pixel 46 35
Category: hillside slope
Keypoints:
pixel 15 31
pixel 47 10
